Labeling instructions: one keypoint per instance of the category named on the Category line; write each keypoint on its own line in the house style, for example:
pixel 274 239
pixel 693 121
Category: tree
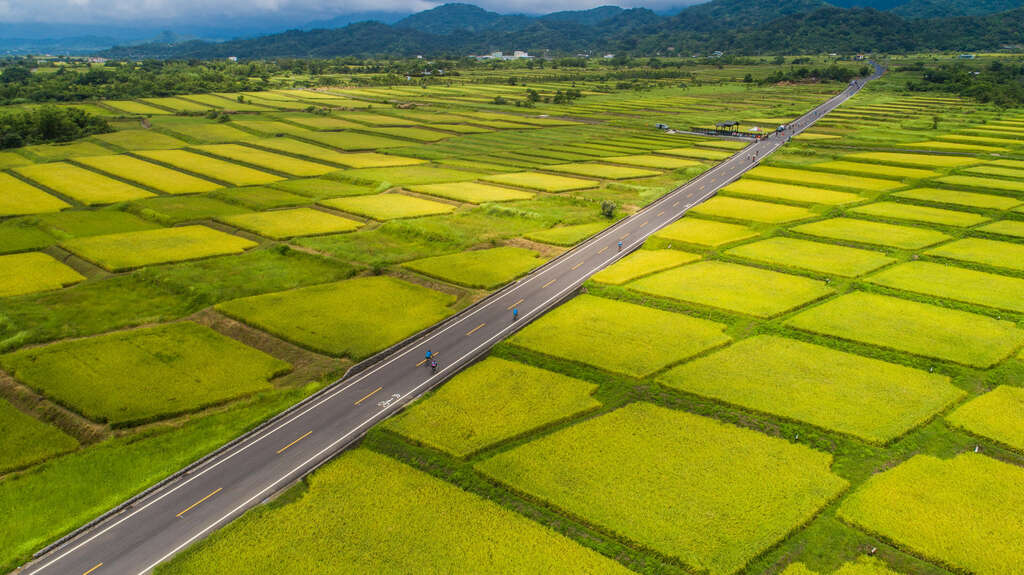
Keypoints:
pixel 608 209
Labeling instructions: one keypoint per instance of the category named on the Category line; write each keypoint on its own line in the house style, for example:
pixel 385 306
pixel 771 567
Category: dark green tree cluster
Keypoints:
pixel 48 124
pixel 999 83
pixel 832 73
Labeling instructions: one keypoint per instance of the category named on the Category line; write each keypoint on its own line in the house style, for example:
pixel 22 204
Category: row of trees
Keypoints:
pixel 999 83
pixel 803 74
pixel 48 124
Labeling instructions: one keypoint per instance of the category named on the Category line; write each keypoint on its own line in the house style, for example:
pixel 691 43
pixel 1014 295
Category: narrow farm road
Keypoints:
pixel 193 504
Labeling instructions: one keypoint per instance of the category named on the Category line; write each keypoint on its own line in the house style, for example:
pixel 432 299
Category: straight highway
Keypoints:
pixel 191 506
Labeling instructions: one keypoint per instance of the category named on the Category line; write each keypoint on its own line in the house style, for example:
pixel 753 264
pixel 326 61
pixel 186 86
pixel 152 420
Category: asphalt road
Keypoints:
pixel 190 507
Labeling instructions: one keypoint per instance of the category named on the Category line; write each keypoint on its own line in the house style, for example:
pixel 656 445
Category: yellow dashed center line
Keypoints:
pixel 97 566
pixel 190 507
pixel 661 212
pixel 514 305
pixel 601 251
pixel 645 223
pixel 470 332
pixel 367 396
pixel 624 236
pixel 675 204
pixel 547 284
pixel 576 267
pixel 294 442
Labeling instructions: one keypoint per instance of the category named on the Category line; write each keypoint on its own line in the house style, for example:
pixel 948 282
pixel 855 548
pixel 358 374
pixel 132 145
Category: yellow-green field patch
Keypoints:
pixel 867 398
pixel 863 565
pixel 705 232
pixel 383 207
pixel 432 523
pixel 269 160
pixel 12 160
pixel 972 504
pixel 876 233
pixel 130 140
pixel 409 175
pixel 220 170
pixel 708 493
pixel 135 108
pixel 351 141
pixel 618 336
pixel 790 192
pixel 998 415
pixel 808 177
pixel 981 251
pixel 83 185
pixel 32 272
pixel 524 398
pixel 652 161
pixel 19 198
pixel 140 375
pixel 281 224
pixel 346 317
pixel 149 174
pixel 119 252
pixel 913 160
pixel 952 147
pixel 813 256
pixel 958 198
pixel 641 263
pixel 699 153
pixel 955 283
pixel 751 210
pixel 984 183
pixel 486 269
pixel 913 327
pixel 471 192
pixel 1014 228
pixel 744 289
pixel 876 170
pixel 176 209
pixel 567 235
pixel 911 212
pixel 540 181
pixel 28 440
pixel 603 171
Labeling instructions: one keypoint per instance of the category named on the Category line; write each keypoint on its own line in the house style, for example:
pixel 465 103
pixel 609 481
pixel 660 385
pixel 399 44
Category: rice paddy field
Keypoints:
pixel 823 362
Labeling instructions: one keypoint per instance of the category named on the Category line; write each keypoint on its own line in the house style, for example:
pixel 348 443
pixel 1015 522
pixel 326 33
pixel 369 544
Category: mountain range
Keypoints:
pixel 732 26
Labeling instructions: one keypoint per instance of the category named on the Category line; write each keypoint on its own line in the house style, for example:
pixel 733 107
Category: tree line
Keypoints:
pixel 47 124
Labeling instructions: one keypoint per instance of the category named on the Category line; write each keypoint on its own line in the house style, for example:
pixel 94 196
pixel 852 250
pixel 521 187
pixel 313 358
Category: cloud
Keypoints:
pixel 202 11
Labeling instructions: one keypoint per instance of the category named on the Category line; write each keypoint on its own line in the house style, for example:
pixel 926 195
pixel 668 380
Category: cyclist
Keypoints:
pixel 429 355
pixel 620 246
pixel 433 366
pixel 515 313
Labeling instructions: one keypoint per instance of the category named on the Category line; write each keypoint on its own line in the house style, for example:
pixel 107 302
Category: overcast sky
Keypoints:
pixel 155 12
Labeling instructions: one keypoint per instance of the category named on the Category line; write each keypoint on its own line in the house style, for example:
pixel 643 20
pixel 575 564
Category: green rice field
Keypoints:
pixel 541 181
pixel 281 224
pixel 981 288
pixel 913 327
pixel 743 289
pixel 34 271
pixel 970 504
pixel 124 251
pixel 810 178
pixel 813 256
pixel 383 207
pixel 28 440
pixel 901 211
pixel 866 398
pixel 471 192
pixel 20 198
pixel 82 185
pixel 567 235
pixel 751 210
pixel 997 414
pixel 705 232
pixel 620 337
pixel 875 233
pixel 432 523
pixel 641 263
pixel 790 192
pixel 710 494
pixel 344 318
pixel 523 397
pixel 87 375
pixel 487 269
pixel 982 251
pixel 960 198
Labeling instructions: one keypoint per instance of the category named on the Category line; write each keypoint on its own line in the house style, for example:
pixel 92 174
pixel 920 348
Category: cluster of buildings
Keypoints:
pixel 516 55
